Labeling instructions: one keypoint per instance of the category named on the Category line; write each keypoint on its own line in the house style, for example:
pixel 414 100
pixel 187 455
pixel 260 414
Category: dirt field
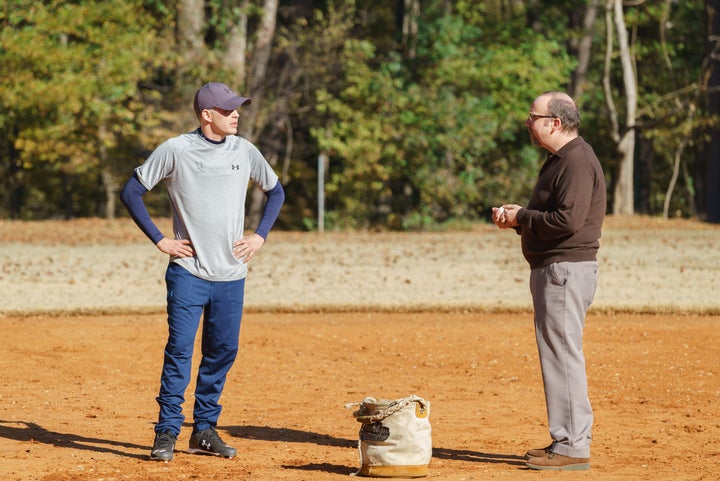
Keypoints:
pixel 333 318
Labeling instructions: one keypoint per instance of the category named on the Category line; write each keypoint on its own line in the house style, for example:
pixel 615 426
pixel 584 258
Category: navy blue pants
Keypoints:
pixel 220 304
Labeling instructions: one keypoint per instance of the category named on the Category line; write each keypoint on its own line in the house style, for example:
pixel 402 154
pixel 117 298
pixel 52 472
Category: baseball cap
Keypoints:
pixel 217 94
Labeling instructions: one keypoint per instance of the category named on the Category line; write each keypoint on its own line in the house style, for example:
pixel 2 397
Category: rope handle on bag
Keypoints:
pixel 392 408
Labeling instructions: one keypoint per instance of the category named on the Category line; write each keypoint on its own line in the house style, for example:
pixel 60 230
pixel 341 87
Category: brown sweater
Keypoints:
pixel 563 220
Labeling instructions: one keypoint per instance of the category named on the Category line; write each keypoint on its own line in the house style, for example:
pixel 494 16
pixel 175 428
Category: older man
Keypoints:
pixel 560 230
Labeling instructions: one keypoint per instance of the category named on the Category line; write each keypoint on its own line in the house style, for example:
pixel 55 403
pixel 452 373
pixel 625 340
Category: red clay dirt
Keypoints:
pixel 77 395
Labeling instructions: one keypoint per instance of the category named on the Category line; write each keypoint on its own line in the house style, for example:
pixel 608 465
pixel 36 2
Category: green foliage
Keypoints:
pixel 416 141
pixel 434 138
pixel 74 84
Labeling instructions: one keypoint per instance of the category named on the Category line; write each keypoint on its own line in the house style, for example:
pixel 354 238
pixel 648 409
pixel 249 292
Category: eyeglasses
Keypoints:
pixel 534 117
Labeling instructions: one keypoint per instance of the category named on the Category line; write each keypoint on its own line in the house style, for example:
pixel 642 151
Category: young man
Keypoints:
pixel 560 231
pixel 206 173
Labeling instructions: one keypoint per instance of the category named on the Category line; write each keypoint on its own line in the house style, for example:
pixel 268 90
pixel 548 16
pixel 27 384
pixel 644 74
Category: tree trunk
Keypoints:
pixel 258 67
pixel 644 168
pixel 623 193
pixel 583 48
pixel 675 173
pixel 14 184
pixel 111 190
pixel 257 72
pixel 236 53
pixel 712 147
pixel 67 192
pixel 107 175
pixel 411 13
pixel 189 38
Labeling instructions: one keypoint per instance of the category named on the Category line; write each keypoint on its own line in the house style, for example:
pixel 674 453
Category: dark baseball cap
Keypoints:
pixel 218 95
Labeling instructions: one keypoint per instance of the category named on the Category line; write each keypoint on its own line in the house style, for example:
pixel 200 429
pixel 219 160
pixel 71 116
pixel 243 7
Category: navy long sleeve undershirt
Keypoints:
pixel 131 196
pixel 133 192
pixel 275 200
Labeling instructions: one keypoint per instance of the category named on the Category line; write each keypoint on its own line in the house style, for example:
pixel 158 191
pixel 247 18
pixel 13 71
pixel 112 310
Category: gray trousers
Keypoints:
pixel 562 293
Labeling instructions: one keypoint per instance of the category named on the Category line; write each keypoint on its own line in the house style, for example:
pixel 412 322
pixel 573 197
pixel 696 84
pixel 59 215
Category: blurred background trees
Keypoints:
pixel 418 106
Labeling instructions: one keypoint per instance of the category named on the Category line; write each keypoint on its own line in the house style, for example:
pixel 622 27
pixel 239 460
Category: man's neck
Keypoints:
pixel 560 142
pixel 208 134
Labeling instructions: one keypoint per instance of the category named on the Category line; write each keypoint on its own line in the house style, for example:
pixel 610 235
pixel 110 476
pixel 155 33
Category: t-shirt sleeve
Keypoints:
pixel 158 166
pixel 261 172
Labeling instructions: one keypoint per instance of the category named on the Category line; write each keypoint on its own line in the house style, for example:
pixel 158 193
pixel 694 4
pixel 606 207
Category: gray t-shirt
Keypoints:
pixel 207 184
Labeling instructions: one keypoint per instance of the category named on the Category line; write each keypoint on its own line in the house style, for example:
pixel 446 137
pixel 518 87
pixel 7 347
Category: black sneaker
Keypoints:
pixel 208 441
pixel 163 446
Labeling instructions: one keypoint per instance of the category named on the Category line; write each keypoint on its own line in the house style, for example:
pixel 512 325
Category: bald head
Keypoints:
pixel 562 106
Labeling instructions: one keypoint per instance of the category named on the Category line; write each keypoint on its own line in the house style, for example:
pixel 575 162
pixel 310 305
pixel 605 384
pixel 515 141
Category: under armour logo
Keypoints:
pixel 205 444
pixel 235 167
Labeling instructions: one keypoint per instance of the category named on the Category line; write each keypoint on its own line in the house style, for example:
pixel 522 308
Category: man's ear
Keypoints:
pixel 557 123
pixel 206 115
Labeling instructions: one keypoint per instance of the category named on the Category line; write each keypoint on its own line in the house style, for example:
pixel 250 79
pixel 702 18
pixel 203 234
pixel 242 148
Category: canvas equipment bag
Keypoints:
pixel 395 437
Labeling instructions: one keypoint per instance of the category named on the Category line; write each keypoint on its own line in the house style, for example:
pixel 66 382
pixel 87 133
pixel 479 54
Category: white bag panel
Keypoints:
pixel 395 437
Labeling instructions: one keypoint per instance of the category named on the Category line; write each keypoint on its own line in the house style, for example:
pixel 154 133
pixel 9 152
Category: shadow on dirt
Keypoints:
pixel 268 433
pixel 34 434
pixel 478 457
pixel 324 467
